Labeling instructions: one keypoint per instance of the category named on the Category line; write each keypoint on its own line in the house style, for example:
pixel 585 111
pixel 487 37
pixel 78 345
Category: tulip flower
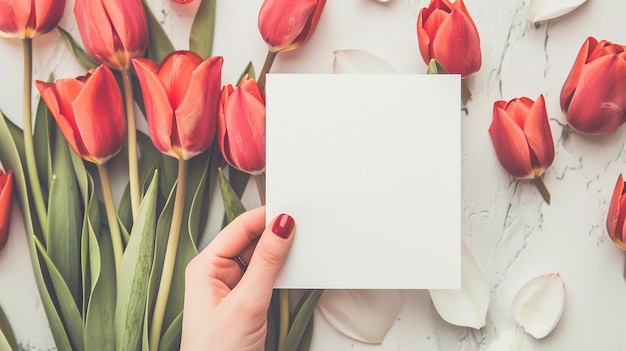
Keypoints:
pixel 241 126
pixel 90 113
pixel 521 136
pixel 593 96
pixel 24 19
pixel 6 193
pixel 182 98
pixel 287 24
pixel 616 217
pixel 447 33
pixel 113 31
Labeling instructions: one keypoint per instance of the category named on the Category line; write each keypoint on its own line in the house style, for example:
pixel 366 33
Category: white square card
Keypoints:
pixel 369 166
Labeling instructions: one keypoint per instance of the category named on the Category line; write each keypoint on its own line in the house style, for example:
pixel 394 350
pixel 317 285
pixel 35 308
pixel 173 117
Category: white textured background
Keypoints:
pixel 513 234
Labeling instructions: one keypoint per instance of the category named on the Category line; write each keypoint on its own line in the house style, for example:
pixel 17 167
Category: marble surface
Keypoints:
pixel 514 235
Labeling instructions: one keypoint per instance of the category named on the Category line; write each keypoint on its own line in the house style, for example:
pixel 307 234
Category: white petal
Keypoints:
pixel 538 305
pixel 381 1
pixel 360 62
pixel 543 10
pixel 466 307
pixel 363 315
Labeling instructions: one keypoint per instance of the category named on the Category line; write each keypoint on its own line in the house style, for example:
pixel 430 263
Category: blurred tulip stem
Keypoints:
pixel 29 145
pixel 283 322
pixel 543 190
pixel 267 65
pixel 133 168
pixel 170 256
pixel 114 227
pixel 260 186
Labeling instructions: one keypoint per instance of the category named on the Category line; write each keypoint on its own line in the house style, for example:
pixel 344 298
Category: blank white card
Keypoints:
pixel 369 166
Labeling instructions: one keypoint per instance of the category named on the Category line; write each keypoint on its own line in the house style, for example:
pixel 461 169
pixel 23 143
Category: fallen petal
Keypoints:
pixel 360 62
pixel 465 307
pixel 363 315
pixel 538 305
pixel 543 10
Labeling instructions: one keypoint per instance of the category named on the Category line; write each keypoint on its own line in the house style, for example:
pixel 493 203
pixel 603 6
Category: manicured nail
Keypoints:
pixel 283 226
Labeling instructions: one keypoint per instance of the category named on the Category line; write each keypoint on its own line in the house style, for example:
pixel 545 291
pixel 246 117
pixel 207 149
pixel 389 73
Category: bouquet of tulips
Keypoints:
pixel 111 273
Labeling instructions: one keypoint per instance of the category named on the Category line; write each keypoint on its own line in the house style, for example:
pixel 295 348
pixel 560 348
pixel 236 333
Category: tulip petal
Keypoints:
pixel 457 28
pixel 538 305
pixel 360 62
pixel 196 116
pixel 543 10
pixel 97 37
pixel 281 23
pixel 465 307
pixel 612 217
pixel 510 145
pixel 6 193
pixel 539 135
pixel 598 105
pixel 347 310
pixel 572 79
pixel 158 110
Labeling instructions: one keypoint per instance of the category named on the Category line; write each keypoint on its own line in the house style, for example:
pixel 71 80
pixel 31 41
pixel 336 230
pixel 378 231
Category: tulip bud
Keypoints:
pixel 447 33
pixel 90 113
pixel 182 98
pixel 593 96
pixel 241 126
pixel 617 215
pixel 6 193
pixel 287 24
pixel 28 18
pixel 113 31
pixel 521 136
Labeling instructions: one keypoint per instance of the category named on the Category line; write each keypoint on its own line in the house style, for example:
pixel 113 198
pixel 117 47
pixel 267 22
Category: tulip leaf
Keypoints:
pixel 303 314
pixel 232 204
pixel 42 145
pixel 64 219
pixel 307 337
pixel 10 157
pixel 435 67
pixel 159 44
pixel 7 337
pixel 249 70
pixel 81 55
pixel 17 136
pixel 197 195
pixel 69 311
pixel 170 341
pixel 273 316
pixel 132 283
pixel 203 29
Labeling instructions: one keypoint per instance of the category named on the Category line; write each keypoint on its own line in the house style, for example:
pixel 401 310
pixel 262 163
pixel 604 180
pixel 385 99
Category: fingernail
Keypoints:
pixel 283 226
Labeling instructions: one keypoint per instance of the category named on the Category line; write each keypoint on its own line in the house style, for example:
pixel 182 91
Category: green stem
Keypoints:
pixel 543 190
pixel 267 65
pixel 260 186
pixel 283 325
pixel 29 145
pixel 114 227
pixel 170 257
pixel 133 171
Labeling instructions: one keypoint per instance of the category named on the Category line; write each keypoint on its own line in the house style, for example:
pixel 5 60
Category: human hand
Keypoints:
pixel 226 300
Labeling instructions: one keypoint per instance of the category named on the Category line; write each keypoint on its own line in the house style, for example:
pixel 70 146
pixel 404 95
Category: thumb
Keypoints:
pixel 268 258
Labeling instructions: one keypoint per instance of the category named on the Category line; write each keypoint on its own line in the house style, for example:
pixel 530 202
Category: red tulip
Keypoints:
pixel 113 31
pixel 593 96
pixel 29 18
pixel 6 193
pixel 241 126
pixel 90 113
pixel 447 33
pixel 182 98
pixel 617 215
pixel 287 24
pixel 521 136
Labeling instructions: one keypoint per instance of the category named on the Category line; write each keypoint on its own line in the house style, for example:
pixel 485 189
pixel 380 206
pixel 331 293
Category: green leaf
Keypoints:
pixel 64 219
pixel 232 204
pixel 435 67
pixel 10 157
pixel 303 314
pixel 42 145
pixel 203 29
pixel 7 338
pixel 197 195
pixel 17 136
pixel 249 70
pixel 69 311
pixel 81 55
pixel 307 337
pixel 170 341
pixel 159 44
pixel 134 273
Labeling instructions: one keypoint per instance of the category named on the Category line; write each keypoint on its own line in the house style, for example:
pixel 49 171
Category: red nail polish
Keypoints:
pixel 283 226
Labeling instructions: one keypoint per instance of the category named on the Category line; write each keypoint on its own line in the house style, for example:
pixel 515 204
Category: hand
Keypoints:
pixel 226 300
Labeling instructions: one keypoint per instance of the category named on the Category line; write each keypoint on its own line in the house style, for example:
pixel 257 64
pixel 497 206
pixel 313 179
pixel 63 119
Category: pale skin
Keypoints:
pixel 225 307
